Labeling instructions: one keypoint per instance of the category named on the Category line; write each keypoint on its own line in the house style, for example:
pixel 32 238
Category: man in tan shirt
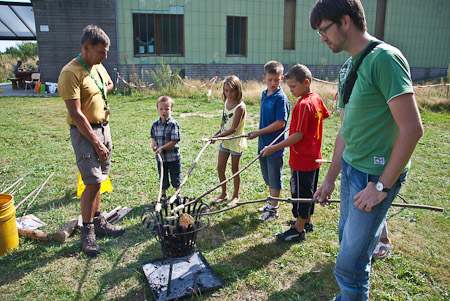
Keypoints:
pixel 84 84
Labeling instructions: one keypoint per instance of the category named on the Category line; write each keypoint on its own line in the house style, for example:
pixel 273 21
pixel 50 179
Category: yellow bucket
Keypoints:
pixel 9 237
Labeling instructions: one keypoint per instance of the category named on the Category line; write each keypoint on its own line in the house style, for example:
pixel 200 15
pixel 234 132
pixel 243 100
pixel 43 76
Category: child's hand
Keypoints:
pixel 266 151
pixel 252 135
pixel 154 147
pixel 158 150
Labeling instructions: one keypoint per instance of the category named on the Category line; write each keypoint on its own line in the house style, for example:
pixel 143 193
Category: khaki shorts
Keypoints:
pixel 91 169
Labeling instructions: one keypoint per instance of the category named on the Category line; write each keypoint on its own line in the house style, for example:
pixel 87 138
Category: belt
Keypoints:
pixel 94 125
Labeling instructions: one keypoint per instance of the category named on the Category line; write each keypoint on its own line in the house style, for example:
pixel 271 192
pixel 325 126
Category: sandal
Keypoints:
pixel 382 250
pixel 219 200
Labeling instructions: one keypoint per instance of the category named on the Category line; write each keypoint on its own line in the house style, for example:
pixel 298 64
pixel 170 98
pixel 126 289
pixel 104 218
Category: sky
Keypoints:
pixel 6 44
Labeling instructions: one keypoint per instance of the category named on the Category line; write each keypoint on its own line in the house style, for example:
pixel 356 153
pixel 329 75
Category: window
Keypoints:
pixel 237 36
pixel 289 24
pixel 158 34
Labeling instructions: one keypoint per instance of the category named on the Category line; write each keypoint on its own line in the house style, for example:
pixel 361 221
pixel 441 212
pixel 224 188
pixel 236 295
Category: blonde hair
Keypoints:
pixel 235 84
pixel 165 98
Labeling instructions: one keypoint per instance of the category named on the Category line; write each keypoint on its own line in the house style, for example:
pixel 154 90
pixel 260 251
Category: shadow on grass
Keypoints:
pixel 316 284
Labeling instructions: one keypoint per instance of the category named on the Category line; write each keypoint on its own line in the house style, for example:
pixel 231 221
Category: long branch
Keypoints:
pixel 180 207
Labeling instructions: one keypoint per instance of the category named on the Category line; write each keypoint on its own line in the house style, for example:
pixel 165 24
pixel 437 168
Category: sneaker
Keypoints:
pixel 103 228
pixel 309 227
pixel 292 235
pixel 90 246
pixel 265 207
pixel 270 215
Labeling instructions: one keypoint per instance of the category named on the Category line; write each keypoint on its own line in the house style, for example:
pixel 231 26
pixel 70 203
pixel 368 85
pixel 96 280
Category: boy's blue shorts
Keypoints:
pixel 272 169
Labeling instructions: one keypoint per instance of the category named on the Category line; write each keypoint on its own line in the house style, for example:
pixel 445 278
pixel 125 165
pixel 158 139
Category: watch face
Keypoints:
pixel 379 186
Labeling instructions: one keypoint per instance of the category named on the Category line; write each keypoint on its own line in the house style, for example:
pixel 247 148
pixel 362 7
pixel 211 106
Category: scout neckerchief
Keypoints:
pixel 102 88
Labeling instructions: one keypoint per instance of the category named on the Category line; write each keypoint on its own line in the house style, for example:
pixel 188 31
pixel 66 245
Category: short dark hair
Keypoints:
pixel 273 67
pixel 299 72
pixel 94 35
pixel 334 10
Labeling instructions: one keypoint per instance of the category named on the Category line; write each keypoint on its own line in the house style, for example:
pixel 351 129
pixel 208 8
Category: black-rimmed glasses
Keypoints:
pixel 322 32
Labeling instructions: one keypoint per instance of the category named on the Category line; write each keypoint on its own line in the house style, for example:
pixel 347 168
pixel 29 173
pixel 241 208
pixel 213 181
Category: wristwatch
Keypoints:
pixel 380 187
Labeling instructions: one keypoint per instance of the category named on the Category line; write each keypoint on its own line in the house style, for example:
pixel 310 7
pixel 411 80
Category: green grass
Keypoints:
pixel 34 141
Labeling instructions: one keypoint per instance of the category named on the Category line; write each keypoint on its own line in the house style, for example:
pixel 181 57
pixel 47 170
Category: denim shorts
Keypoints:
pixel 226 150
pixel 272 169
pixel 91 169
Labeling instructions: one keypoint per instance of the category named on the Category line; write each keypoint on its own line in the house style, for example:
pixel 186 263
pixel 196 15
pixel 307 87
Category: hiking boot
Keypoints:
pixel 103 228
pixel 90 246
pixel 292 235
pixel 265 207
pixel 270 215
pixel 309 227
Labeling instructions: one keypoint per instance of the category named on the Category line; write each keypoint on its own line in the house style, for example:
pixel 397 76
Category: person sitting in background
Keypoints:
pixel 38 68
pixel 17 68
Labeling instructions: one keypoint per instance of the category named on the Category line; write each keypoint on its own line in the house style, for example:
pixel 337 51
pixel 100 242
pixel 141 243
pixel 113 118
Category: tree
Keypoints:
pixel 24 50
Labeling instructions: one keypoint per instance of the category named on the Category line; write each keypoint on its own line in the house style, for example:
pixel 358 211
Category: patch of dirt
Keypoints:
pixel 185 115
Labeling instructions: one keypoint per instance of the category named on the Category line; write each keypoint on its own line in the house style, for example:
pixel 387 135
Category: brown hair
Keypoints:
pixel 273 67
pixel 299 72
pixel 334 10
pixel 94 35
pixel 165 99
pixel 235 84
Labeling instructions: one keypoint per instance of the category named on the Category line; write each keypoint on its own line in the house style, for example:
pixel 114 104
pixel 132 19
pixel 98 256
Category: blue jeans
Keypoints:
pixel 359 232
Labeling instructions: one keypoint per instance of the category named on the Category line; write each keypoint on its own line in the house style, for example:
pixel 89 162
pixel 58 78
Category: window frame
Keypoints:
pixel 158 19
pixel 243 36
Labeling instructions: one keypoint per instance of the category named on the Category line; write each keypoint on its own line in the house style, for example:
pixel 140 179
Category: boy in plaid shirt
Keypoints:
pixel 165 135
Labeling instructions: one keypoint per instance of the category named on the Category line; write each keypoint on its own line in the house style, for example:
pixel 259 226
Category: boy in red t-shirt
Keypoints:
pixel 305 140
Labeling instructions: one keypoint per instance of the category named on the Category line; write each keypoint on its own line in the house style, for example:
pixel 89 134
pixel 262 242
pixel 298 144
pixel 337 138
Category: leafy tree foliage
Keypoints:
pixel 24 50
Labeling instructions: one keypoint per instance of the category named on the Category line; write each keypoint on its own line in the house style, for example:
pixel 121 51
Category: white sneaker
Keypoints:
pixel 269 215
pixel 265 207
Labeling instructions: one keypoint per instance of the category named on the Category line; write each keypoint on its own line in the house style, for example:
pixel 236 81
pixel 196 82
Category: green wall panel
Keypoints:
pixel 420 31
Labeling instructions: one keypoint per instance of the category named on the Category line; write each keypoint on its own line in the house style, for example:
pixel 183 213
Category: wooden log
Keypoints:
pixel 35 234
pixel 62 234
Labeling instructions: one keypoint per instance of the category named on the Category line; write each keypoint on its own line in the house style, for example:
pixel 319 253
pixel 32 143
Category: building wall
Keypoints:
pixel 409 26
pixel 65 21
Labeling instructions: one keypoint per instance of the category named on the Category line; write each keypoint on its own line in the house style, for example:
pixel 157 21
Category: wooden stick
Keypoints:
pixel 322 161
pixel 174 197
pixel 161 174
pixel 28 196
pixel 112 212
pixel 180 207
pixel 13 185
pixel 17 190
pixel 35 234
pixel 62 234
pixel 37 193
pixel 3 183
pixel 223 138
pixel 306 200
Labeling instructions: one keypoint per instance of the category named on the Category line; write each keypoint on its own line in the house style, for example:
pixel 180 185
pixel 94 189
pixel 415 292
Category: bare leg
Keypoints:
pixel 276 194
pixel 237 180
pixel 221 167
pixel 90 202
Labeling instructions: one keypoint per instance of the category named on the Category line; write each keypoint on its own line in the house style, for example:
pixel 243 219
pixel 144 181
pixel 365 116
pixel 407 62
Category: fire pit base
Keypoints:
pixel 182 276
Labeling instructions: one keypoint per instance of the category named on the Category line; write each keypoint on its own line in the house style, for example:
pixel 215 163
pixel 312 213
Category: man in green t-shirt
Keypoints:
pixel 380 127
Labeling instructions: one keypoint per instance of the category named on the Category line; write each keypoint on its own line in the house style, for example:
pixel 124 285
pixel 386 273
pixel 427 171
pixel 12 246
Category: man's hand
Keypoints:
pixel 252 135
pixel 369 197
pixel 159 150
pixel 102 151
pixel 154 146
pixel 266 151
pixel 323 193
